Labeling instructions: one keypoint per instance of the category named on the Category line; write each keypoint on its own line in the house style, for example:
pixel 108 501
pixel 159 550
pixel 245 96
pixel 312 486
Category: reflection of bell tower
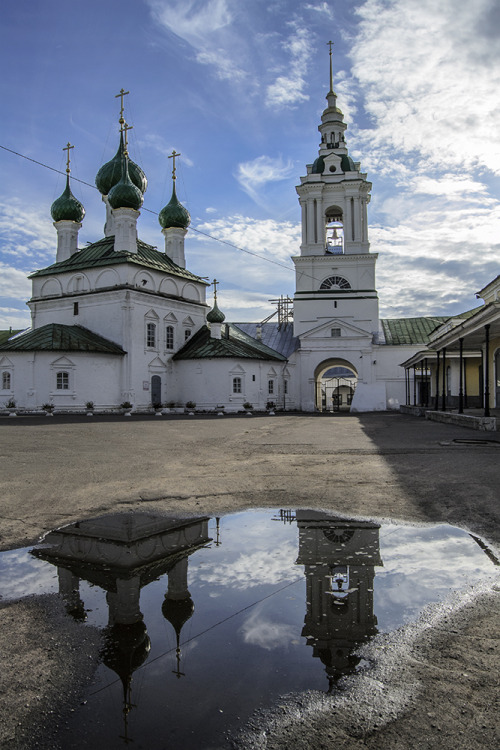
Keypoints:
pixel 339 559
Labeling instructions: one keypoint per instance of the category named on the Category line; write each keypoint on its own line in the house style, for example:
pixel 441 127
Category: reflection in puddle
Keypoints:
pixel 203 622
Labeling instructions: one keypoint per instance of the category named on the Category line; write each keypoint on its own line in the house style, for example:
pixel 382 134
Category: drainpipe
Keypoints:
pixel 461 385
pixel 436 397
pixel 414 386
pixel 487 370
pixel 443 400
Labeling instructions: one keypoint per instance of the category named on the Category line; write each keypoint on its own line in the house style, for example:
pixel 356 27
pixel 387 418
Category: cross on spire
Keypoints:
pixel 67 148
pixel 124 129
pixel 330 44
pixel 172 156
pixel 121 95
pixel 215 285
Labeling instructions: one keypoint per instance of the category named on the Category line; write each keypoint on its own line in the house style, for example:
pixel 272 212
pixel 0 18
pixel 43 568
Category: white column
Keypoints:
pixel 67 239
pixel 174 244
pixel 125 222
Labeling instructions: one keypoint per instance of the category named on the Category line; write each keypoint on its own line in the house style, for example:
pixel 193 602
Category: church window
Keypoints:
pixel 5 381
pixel 270 387
pixel 62 381
pixel 336 333
pixel 335 282
pixel 285 387
pixel 169 337
pixel 236 385
pixel 187 334
pixel 151 335
pixel 75 308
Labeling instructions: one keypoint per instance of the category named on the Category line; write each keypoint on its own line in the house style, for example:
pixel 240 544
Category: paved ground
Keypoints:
pixel 57 470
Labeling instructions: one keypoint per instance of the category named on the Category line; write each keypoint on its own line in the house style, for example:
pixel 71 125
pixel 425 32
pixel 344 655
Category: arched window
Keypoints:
pixel 169 337
pixel 236 385
pixel 270 387
pixel 335 282
pixel 151 335
pixel 6 381
pixel 187 334
pixel 62 381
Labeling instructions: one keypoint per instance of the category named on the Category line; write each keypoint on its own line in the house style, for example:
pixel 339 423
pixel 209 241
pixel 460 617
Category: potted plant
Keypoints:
pixel 90 408
pixel 270 406
pixel 11 407
pixel 126 408
pixel 48 409
pixel 190 407
pixel 158 408
pixel 248 407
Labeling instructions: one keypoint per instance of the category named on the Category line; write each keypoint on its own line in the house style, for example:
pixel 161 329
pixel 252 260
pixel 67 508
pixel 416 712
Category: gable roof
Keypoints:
pixel 276 336
pixel 102 253
pixel 61 338
pixel 233 343
pixel 399 331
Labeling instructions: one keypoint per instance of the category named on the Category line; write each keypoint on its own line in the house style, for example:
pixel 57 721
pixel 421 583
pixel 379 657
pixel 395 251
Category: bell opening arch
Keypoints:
pixel 335 382
pixel 334 231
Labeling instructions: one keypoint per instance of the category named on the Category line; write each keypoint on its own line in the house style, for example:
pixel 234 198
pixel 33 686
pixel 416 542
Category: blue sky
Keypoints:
pixel 238 89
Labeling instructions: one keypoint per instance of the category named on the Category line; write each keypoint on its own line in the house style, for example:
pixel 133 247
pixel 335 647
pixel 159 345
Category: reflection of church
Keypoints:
pixel 121 554
pixel 339 558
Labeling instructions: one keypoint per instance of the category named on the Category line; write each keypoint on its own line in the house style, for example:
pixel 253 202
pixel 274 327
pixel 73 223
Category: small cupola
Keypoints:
pixel 174 220
pixel 215 317
pixel 67 213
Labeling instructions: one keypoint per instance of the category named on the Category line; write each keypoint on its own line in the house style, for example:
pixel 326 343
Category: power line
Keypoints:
pixel 155 213
pixel 203 632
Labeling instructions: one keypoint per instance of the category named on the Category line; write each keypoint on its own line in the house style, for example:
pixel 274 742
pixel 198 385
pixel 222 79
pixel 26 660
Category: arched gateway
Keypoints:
pixel 335 382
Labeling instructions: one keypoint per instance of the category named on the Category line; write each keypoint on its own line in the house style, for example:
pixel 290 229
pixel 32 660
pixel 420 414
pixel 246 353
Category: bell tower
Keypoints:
pixel 335 272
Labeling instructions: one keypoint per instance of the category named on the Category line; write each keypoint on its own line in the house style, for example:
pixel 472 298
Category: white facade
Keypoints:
pixel 147 304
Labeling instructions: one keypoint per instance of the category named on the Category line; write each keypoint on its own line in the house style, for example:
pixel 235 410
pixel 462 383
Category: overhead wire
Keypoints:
pixel 155 213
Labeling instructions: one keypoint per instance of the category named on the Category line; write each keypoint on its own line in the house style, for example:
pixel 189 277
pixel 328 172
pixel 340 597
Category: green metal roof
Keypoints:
pixel 233 343
pixel 5 335
pixel 102 253
pixel 399 331
pixel 61 338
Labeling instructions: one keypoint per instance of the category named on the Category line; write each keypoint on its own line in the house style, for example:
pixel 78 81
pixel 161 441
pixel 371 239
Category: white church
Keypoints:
pixel 121 322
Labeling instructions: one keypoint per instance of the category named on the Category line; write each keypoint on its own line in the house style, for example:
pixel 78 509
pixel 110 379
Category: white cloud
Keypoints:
pixel 206 27
pixel 429 81
pixel 260 631
pixel 320 8
pixel 287 90
pixel 25 232
pixel 157 143
pixel 254 175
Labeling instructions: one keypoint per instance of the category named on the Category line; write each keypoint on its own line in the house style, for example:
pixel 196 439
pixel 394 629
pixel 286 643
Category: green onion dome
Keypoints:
pixel 125 194
pixel 111 172
pixel 174 214
pixel 67 207
pixel 215 315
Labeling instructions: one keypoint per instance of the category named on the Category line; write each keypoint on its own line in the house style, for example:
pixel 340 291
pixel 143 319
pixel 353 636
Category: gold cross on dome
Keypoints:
pixel 124 129
pixel 215 285
pixel 172 156
pixel 121 95
pixel 67 148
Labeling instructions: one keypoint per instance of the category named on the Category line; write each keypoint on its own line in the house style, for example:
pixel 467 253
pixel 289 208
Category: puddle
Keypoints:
pixel 206 620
